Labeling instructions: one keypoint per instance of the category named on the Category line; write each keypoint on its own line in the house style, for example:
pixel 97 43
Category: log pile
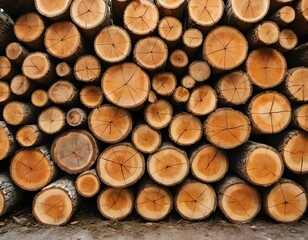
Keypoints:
pixel 155 105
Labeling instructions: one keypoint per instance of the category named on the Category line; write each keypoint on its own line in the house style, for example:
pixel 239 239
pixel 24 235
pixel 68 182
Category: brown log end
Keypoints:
pixel 28 135
pixel 39 98
pixel 287 40
pixel 36 66
pixel 199 70
pixel 7 141
pixel 178 60
pixel 21 86
pixel 16 53
pixel 88 183
pixel 51 120
pixel 17 113
pixel 76 117
pixel 63 70
pixel 164 83
pixel 52 9
pixel 170 30
pixel 188 82
pixel 87 69
pixel 300 117
pixel 5 92
pixel 181 94
pixel 5 68
pixel 91 96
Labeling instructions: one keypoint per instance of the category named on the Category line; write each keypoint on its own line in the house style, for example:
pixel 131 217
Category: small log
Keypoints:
pixel 151 53
pixel 195 200
pixel 295 85
pixel 152 98
pixel 63 40
pixel 170 30
pixel 30 136
pixel 141 18
pixel 74 151
pixel 153 202
pixel 164 83
pixel 8 144
pixel 55 10
pixel 51 120
pixel 87 69
pixel 185 129
pixel 118 7
pixel 91 96
pixel 5 92
pixel 298 56
pixel 109 123
pixel 63 92
pixel 21 86
pixel 90 16
pixel 204 14
pixel 283 16
pixel 115 203
pixel 234 88
pixel 168 166
pixel 171 8
pixel 88 183
pixel 112 44
pixel 300 23
pixel 285 202
pixel 29 28
pixel 238 201
pixel 180 95
pixel 19 113
pixel 202 101
pixel 178 61
pixel 227 128
pixel 120 165
pixel 199 71
pixel 209 163
pixel 276 4
pixel 257 163
pixel 16 53
pixel 159 114
pixel 76 117
pixel 300 117
pixel 126 85
pixel 37 67
pixel 6 69
pixel 287 40
pixel 188 82
pixel 16 8
pixel 192 40
pixel 266 67
pixel 39 98
pixel 10 194
pixel 56 203
pixel 270 112
pixel 32 168
pixel 225 48
pixel 64 70
pixel 265 33
pixel 243 14
pixel 146 139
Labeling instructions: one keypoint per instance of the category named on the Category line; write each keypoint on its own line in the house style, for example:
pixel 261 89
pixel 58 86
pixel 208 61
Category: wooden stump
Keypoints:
pixel 178 61
pixel 257 163
pixel 270 112
pixel 285 202
pixel 18 113
pixel 300 117
pixel 171 8
pixel 287 40
pixel 32 168
pixel 120 165
pixel 115 203
pixel 164 83
pixel 227 128
pixel 5 92
pixel 63 92
pixel 87 69
pixel 168 166
pixel 126 85
pixel 208 163
pixel 153 202
pixel 21 86
pixel 7 141
pixel 74 151
pixel 6 69
pixel 112 44
pixel 159 114
pixel 56 203
pixel 146 139
pixel 283 16
pixel 91 96
pixel 109 123
pixel 76 117
pixel 225 48
pixel 16 53
pixel 180 95
pixel 51 120
pixel 192 40
pixel 202 101
pixel 54 9
pixel 195 200
pixel 238 201
pixel 88 183
pixel 234 88
pixel 199 71
pixel 39 98
pixel 170 30
pixel 29 136
pixel 64 70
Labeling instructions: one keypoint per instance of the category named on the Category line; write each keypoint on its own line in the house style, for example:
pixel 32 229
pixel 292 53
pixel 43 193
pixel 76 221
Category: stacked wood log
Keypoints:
pixel 153 105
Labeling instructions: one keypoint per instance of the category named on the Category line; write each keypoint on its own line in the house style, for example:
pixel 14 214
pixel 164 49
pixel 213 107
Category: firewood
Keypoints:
pixel 202 101
pixel 257 163
pixel 153 202
pixel 76 117
pixel 64 70
pixel 21 86
pixel 112 44
pixel 32 168
pixel 225 48
pixel 178 61
pixel 159 114
pixel 87 69
pixel 146 139
pixel 171 8
pixel 283 16
pixel 285 202
pixel 299 25
pixel 199 71
pixel 19 113
pixel 56 203
pixel 126 85
pixel 88 183
pixel 39 98
pixel 234 88
pixel 195 200
pixel 180 95
pixel 5 92
pixel 188 82
pixel 109 123
pixel 6 69
pixel 55 10
pixel 16 53
pixel 300 117
pixel 269 112
pixel 227 128
pixel 7 140
pixel 164 83
pixel 63 92
pixel 74 151
pixel 91 96
pixel 51 120
pixel 115 203
pixel 151 53
pixel 30 136
pixel 208 163
pixel 120 165
pixel 170 30
pixel 192 40
pixel 238 201
pixel 287 40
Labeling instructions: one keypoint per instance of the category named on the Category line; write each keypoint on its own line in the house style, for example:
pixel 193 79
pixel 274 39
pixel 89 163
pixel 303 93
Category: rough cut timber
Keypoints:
pixel 199 71
pixel 51 120
pixel 170 30
pixel 180 95
pixel 287 40
pixel 91 96
pixel 30 136
pixel 7 141
pixel 55 9
pixel 63 92
pixel 87 69
pixel 18 113
pixel 300 117
pixel 192 40
pixel 16 52
pixel 21 86
pixel 39 98
pixel 164 83
pixel 283 16
pixel 88 183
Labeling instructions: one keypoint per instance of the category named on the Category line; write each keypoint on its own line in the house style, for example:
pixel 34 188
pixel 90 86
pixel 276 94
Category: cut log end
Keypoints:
pixel 5 67
pixel 178 60
pixel 296 84
pixel 170 30
pixel 21 86
pixel 5 92
pixel 76 117
pixel 87 69
pixel 36 66
pixel 164 83
pixel 51 120
pixel 91 96
pixel 7 141
pixel 62 92
pixel 283 16
pixel 287 40
pixel 17 113
pixel 39 98
pixel 300 117
pixel 88 184
pixel 173 8
pixel 266 33
pixel 199 70
pixel 188 82
pixel 181 95
pixel 27 135
pixel 63 70
pixel 192 40
pixel 52 9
